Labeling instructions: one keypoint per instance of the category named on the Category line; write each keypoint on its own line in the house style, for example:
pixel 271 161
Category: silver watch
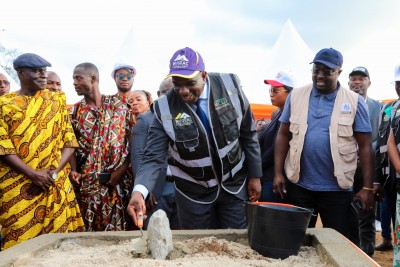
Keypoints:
pixel 54 175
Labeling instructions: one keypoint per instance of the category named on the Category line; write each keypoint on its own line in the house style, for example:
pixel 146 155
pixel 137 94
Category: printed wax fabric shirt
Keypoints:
pixel 36 129
pixel 103 135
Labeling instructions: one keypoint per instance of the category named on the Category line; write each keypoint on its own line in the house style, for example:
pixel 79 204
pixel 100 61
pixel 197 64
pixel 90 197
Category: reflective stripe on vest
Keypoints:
pixel 233 95
pixel 179 173
pixel 166 118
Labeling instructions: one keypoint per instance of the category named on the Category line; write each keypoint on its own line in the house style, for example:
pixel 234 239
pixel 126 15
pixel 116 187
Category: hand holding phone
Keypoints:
pixel 104 177
pixel 356 205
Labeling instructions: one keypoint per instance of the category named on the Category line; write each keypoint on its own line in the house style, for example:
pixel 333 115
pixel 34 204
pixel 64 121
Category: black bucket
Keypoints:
pixel 276 230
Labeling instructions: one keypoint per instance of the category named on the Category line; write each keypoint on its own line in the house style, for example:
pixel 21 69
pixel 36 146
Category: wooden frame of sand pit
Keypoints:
pixel 332 248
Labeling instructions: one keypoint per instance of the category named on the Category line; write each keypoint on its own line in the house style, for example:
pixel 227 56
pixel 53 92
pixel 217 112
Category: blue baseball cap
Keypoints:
pixel 30 60
pixel 329 57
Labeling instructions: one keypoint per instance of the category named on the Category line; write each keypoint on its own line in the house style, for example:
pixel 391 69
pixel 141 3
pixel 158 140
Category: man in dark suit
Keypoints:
pixel 163 195
pixel 362 230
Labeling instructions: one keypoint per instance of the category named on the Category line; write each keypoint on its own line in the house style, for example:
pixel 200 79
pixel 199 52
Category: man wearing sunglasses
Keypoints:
pixel 123 76
pixel 323 126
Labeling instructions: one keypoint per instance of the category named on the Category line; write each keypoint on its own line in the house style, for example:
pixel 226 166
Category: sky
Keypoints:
pixel 232 36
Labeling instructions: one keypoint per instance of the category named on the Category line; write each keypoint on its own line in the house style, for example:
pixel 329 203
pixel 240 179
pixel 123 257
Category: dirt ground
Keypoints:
pixel 384 258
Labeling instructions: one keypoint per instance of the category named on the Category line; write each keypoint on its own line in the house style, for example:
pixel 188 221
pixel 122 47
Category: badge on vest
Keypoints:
pixel 220 103
pixel 183 119
pixel 345 108
pixel 386 118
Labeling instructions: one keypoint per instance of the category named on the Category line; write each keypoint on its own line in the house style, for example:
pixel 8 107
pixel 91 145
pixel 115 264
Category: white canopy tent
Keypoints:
pixel 291 54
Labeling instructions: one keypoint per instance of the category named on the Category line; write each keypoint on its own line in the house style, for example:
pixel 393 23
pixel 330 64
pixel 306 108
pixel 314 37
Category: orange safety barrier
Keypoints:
pixel 262 110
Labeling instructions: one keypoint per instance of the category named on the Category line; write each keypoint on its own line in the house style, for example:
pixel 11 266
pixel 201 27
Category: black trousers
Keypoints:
pixel 362 227
pixel 227 211
pixel 332 206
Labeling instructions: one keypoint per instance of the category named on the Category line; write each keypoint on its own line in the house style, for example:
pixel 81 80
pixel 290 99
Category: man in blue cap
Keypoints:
pixel 36 142
pixel 323 128
pixel 207 125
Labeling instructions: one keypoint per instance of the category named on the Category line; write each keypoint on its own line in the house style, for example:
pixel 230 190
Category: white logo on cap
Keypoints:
pixel 180 62
pixel 359 69
pixel 181 57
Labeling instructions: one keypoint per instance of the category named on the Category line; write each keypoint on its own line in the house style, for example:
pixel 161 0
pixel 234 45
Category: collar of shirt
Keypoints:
pixel 330 96
pixel 203 99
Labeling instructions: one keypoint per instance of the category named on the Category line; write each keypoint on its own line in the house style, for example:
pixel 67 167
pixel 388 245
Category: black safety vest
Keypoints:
pixel 195 157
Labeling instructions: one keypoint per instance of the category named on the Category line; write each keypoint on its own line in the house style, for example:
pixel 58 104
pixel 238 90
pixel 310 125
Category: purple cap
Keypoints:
pixel 185 63
pixel 329 57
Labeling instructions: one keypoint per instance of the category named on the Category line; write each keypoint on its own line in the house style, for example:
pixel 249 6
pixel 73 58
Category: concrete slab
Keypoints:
pixel 333 248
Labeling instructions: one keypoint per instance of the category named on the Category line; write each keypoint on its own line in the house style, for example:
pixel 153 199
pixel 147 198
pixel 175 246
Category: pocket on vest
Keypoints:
pixel 235 155
pixel 228 120
pixel 294 128
pixel 186 140
pixel 348 156
pixel 345 127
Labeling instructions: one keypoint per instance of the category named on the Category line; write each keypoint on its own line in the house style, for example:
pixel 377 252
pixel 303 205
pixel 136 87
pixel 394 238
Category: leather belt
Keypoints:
pixel 169 178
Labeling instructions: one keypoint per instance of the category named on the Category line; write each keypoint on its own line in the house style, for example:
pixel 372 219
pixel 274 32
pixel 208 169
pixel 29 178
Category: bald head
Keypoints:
pixel 165 86
pixel 53 82
pixel 4 84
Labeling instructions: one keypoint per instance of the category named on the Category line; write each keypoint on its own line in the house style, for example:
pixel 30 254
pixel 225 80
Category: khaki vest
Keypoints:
pixel 342 141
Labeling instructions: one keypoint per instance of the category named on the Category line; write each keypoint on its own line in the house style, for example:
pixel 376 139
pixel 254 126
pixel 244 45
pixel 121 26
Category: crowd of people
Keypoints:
pixel 196 151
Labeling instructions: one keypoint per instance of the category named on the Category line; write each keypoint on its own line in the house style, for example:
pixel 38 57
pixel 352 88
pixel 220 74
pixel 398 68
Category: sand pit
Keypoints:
pixel 204 251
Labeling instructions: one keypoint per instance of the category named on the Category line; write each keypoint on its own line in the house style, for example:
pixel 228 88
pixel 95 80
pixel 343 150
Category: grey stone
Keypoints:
pixel 159 235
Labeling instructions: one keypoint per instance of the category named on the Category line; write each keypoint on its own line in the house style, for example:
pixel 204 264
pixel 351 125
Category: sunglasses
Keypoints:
pixel 275 92
pixel 121 76
pixel 324 72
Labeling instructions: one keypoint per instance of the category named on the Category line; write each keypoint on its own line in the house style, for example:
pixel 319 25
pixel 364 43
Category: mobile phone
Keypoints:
pixel 357 205
pixel 104 177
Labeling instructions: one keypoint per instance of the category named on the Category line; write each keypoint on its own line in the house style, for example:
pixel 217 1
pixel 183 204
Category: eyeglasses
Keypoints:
pixel 4 82
pixel 328 72
pixel 121 76
pixel 275 92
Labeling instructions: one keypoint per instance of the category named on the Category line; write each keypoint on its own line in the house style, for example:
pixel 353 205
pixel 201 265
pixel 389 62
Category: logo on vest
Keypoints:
pixel 345 108
pixel 221 103
pixel 180 62
pixel 183 119
pixel 386 118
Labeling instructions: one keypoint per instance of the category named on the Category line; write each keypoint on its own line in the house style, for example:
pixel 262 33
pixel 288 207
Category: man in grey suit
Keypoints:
pixel 163 195
pixel 362 230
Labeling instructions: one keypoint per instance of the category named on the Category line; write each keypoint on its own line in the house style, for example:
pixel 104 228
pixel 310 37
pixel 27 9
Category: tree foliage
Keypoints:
pixel 7 57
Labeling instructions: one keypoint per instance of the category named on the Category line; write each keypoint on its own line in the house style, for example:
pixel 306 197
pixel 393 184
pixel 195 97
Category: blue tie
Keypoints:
pixel 203 117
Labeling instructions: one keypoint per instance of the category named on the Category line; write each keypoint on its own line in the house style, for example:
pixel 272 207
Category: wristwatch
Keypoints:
pixel 54 175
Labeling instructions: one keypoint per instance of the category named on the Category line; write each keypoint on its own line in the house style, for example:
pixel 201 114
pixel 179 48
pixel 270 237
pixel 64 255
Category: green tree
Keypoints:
pixel 7 57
